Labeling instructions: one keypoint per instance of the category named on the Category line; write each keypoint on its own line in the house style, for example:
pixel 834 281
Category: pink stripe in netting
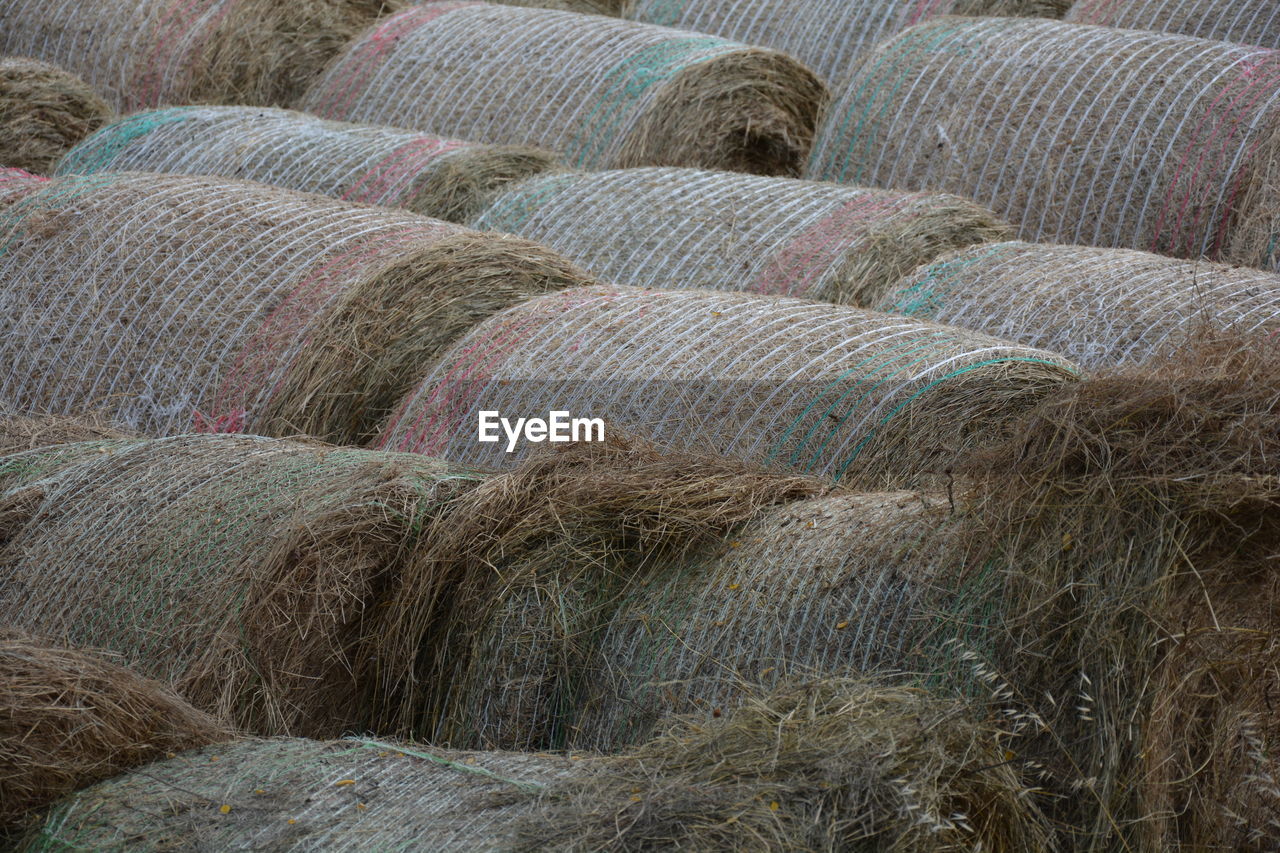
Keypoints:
pixel 387 180
pixel 352 75
pixel 17 183
pixel 797 268
pixel 1100 11
pixel 926 9
pixel 283 329
pixel 178 21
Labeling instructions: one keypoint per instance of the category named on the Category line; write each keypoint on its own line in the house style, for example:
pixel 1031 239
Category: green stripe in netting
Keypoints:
pixel 629 81
pixel 513 210
pixel 100 150
pixel 52 196
pixel 927 296
pixel 664 13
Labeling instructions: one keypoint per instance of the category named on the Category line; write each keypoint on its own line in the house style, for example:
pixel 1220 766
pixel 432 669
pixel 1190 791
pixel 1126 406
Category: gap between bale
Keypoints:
pixel 44 111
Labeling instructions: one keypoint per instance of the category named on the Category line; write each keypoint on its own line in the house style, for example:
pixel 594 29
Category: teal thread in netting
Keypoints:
pixel 20 469
pixel 629 81
pixel 100 150
pixel 52 196
pixel 927 295
pixel 515 208
pixel 665 13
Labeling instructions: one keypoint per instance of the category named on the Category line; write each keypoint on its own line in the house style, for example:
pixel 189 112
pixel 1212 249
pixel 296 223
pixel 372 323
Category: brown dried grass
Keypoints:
pixel 44 111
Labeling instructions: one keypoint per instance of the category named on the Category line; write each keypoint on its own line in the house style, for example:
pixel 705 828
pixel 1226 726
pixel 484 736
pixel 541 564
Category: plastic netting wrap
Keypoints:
pixel 685 228
pixel 827 36
pixel 16 183
pixel 875 400
pixel 180 303
pixel 1241 21
pixel 601 91
pixel 43 112
pixel 1097 306
pixel 1075 134
pixel 244 571
pixel 445 178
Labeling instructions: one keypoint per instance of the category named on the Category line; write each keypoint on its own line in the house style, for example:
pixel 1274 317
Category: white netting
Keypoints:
pixel 685 228
pixel 437 177
pixel 1096 306
pixel 879 400
pixel 17 183
pixel 1076 134
pixel 602 91
pixel 1241 21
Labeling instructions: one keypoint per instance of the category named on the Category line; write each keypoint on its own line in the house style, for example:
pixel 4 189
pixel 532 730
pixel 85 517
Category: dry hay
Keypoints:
pixel 69 718
pixel 444 178
pixel 20 431
pixel 244 571
pixel 828 37
pixel 604 93
pixel 43 112
pixel 1097 306
pixel 878 401
pixel 1240 21
pixel 18 183
pixel 147 53
pixel 836 764
pixel 351 795
pixel 691 229
pixel 1075 134
pixel 176 303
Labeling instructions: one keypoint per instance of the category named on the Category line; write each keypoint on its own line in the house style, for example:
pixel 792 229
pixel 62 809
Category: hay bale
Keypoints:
pixel 586 7
pixel 176 303
pixel 17 183
pixel 828 37
pixel 282 794
pixel 43 112
pixel 689 229
pixel 69 718
pixel 1097 306
pixel 146 53
pixel 244 571
pixel 602 92
pixel 443 178
pixel 20 432
pixel 1240 21
pixel 1075 134
pixel 878 401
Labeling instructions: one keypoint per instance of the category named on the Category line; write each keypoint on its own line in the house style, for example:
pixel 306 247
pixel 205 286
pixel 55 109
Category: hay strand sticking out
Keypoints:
pixel 176 303
pixel 882 402
pixel 1240 21
pixel 685 228
pixel 828 37
pixel 1097 306
pixel 1075 134
pixel 43 112
pixel 147 53
pixel 444 178
pixel 604 93
pixel 244 571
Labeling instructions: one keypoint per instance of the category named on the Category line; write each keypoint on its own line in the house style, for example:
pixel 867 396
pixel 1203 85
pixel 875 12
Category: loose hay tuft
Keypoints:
pixel 443 178
pixel 43 112
pixel 691 229
pixel 20 432
pixel 1240 21
pixel 604 93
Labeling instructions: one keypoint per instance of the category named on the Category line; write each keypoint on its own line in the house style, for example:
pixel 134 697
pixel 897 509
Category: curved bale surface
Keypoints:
pixel 1075 134
pixel 602 92
pixel 43 112
pixel 244 571
pixel 444 178
pixel 1240 21
pixel 1099 307
pixel 875 400
pixel 145 53
pixel 689 229
pixel 69 718
pixel 586 7
pixel 826 36
pixel 17 183
pixel 178 303
pixel 21 432
pixel 282 794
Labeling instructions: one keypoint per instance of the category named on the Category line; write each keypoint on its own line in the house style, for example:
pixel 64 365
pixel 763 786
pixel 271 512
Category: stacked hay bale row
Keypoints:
pixel 1061 129
pixel 43 112
pixel 1240 21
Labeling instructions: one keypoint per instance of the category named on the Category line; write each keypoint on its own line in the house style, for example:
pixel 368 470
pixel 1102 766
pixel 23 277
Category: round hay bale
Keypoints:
pixel 687 228
pixel 177 303
pixel 293 795
pixel 43 112
pixel 878 401
pixel 147 53
pixel 1240 21
pixel 1096 306
pixel 20 432
pixel 17 183
pixel 244 571
pixel 602 92
pixel 69 718
pixel 612 8
pixel 443 178
pixel 1075 134
pixel 826 36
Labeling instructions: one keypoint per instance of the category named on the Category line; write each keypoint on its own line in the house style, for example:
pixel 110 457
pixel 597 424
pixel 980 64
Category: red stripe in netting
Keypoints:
pixel 925 9
pixel 261 356
pixel 1227 126
pixel 17 183
pixel 178 21
pixel 798 267
pixel 387 180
